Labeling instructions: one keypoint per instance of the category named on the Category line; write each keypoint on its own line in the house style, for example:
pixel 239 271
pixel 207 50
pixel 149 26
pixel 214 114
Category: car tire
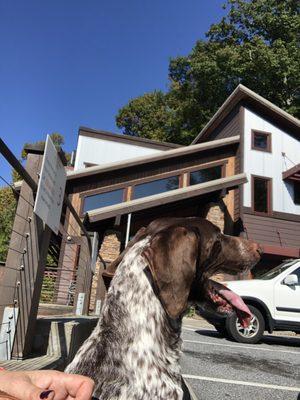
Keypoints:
pixel 252 334
pixel 221 328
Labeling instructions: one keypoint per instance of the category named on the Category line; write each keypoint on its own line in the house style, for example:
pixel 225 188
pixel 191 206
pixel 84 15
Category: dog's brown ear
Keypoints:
pixel 172 258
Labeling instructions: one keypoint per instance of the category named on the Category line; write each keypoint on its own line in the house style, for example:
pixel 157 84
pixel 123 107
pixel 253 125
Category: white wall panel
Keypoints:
pixel 99 151
pixel 271 164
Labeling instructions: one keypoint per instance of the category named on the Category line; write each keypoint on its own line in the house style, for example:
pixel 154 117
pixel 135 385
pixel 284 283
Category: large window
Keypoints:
pixel 261 196
pixel 205 175
pixel 261 141
pixel 155 187
pixel 103 200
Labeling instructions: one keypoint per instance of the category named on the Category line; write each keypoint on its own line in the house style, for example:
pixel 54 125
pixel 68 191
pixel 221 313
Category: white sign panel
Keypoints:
pixel 51 187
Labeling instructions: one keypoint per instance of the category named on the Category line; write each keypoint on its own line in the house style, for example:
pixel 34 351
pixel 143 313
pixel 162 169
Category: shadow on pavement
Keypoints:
pixel 282 340
pixel 209 333
pixel 289 341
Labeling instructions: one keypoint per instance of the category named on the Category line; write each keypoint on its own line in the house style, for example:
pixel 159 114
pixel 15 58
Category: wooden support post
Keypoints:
pixel 100 289
pixel 21 279
pixel 84 280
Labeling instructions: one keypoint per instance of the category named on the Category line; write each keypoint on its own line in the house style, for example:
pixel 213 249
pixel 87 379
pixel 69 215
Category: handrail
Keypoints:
pixel 15 163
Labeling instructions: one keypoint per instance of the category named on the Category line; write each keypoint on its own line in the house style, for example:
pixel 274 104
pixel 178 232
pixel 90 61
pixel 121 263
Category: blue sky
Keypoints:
pixel 66 63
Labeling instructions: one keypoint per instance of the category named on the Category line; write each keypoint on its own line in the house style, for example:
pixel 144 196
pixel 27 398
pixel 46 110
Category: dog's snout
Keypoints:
pixel 260 250
pixel 257 248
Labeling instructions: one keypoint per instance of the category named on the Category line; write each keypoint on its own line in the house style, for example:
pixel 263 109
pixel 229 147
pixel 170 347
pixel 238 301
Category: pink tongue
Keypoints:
pixel 242 310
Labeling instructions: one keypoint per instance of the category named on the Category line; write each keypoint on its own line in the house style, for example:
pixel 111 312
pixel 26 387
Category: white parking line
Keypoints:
pixel 193 329
pixel 242 347
pixel 255 384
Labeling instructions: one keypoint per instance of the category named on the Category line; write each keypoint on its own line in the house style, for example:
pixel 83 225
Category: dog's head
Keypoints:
pixel 182 259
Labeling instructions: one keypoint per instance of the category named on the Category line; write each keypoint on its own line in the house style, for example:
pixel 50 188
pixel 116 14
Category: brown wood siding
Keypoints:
pixel 273 231
pixel 106 180
pixel 239 165
pixel 237 170
pixel 229 126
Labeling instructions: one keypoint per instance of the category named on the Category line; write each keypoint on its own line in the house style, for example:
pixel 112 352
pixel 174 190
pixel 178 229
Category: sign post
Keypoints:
pixel 51 188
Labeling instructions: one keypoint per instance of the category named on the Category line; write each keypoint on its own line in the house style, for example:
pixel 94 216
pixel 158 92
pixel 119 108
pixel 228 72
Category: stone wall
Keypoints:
pixel 109 251
pixel 215 214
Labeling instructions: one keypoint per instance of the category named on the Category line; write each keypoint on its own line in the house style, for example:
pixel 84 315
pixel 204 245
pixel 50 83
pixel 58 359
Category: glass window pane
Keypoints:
pixel 261 188
pixel 205 175
pixel 260 141
pixel 103 200
pixel 155 187
pixel 296 272
pixel 297 192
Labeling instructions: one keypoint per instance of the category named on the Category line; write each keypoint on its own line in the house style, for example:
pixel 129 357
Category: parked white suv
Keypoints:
pixel 273 299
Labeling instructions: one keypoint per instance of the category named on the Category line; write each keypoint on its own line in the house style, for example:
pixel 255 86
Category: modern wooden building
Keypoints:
pixel 242 172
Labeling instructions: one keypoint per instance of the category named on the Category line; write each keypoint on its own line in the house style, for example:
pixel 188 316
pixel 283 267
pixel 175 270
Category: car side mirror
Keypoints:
pixel 291 280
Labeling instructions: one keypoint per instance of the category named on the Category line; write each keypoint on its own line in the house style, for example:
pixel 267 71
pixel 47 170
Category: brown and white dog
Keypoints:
pixel 134 351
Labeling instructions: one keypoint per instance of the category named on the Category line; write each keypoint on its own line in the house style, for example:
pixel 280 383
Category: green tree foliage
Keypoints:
pixel 57 139
pixel 256 44
pixel 7 212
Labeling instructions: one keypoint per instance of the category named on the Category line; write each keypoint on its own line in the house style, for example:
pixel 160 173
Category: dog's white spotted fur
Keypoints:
pixel 133 352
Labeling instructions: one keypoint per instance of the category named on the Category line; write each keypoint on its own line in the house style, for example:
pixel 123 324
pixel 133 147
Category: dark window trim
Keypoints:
pixel 269 141
pixel 270 195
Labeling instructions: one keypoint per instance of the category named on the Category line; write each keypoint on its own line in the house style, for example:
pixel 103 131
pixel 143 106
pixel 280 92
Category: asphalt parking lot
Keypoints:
pixel 217 368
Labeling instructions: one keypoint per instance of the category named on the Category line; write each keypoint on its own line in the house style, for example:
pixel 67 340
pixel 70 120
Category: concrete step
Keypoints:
pixel 56 342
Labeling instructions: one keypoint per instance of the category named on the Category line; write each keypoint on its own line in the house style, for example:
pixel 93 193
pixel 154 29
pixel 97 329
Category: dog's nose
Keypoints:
pixel 256 247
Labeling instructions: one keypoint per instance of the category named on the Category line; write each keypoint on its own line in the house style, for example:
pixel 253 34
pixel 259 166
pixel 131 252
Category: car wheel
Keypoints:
pixel 221 328
pixel 253 333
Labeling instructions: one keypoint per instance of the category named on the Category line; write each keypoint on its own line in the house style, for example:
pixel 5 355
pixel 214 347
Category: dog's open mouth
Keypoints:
pixel 226 301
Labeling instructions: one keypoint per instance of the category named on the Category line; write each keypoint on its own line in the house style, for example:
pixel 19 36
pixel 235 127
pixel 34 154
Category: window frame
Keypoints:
pixel 129 187
pixel 269 195
pixel 269 140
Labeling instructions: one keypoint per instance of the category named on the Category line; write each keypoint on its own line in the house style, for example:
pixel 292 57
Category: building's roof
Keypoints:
pixel 243 94
pixel 133 140
pixel 172 196
pixel 135 162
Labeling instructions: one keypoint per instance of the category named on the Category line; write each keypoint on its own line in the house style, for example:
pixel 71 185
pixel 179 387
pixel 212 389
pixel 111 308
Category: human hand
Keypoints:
pixel 44 385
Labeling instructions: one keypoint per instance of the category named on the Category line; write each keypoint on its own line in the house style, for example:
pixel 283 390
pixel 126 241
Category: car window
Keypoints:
pixel 276 271
pixel 296 272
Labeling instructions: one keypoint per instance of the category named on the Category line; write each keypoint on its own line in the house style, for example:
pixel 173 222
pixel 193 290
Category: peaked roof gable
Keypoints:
pixel 242 94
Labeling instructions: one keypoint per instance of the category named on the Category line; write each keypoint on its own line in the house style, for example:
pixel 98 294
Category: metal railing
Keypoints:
pixel 41 268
